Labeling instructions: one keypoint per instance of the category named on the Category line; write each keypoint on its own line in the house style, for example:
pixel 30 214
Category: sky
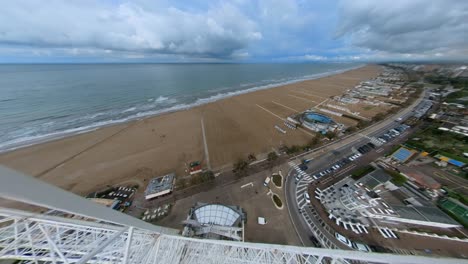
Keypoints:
pixel 34 31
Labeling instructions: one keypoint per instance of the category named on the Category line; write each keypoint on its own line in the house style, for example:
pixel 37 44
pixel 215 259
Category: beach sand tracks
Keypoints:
pixel 236 129
pixel 294 102
pixel 278 109
pixel 145 145
pixel 224 134
pixel 38 158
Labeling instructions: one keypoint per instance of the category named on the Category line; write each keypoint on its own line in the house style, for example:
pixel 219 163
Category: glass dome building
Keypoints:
pixel 215 221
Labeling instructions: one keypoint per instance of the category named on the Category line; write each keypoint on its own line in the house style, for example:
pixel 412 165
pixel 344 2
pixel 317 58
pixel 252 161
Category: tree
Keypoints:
pixel 330 135
pixel 181 183
pixel 240 167
pixel 272 156
pixel 362 124
pixel 207 176
pixel 251 157
pixel 314 141
pixel 350 129
pixel 293 149
pixel 378 117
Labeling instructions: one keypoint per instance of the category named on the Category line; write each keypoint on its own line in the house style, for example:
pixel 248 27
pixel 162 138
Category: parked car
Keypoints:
pixel 343 240
pixel 303 167
pixel 307 197
pixel 381 139
pixel 361 247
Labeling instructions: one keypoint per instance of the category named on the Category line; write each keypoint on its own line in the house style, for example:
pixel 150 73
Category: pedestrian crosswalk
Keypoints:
pixel 304 177
pixel 305 208
pixel 387 233
pixel 373 140
pixel 405 251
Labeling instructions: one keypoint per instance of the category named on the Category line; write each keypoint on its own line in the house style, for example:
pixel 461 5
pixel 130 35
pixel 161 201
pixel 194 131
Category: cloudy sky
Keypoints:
pixel 232 30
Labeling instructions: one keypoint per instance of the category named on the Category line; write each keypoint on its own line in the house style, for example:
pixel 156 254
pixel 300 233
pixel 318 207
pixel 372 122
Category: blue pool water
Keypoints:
pixel 318 117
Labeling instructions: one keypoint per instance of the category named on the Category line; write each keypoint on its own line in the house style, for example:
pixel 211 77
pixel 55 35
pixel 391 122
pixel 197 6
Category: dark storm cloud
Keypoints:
pixel 418 27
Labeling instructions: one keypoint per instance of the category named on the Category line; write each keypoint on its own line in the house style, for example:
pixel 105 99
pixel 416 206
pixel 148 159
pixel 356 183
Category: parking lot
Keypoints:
pixel 253 199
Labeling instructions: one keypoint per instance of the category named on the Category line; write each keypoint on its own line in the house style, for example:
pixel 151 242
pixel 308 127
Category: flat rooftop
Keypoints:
pixel 424 213
pixel 159 186
pixel 374 179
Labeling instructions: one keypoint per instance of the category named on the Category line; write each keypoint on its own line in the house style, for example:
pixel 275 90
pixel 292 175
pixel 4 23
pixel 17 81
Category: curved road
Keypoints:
pixel 306 221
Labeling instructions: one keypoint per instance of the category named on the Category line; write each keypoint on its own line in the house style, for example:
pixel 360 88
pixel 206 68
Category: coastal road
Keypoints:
pixel 307 223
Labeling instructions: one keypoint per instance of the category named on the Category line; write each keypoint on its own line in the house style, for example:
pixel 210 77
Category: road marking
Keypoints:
pixel 364 136
pixel 300 190
pixel 300 201
pixel 352 166
pixel 247 184
pixel 379 150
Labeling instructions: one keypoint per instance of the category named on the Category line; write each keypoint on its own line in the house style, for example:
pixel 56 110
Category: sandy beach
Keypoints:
pixel 138 150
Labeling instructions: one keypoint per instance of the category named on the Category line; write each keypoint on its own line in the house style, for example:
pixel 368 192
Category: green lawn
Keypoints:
pixel 359 173
pixel 277 180
pixel 277 200
pixel 397 178
pixel 435 141
pixel 455 211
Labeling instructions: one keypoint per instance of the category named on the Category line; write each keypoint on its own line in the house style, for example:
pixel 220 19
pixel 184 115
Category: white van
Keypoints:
pixel 267 181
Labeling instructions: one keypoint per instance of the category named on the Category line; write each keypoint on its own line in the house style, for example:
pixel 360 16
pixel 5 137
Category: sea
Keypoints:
pixel 40 102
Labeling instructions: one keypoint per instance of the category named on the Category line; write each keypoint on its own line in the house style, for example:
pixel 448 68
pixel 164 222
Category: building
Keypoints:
pixel 109 236
pixel 374 202
pixel 374 179
pixel 111 203
pixel 318 122
pixel 403 154
pixel 215 221
pixel 451 161
pixel 160 186
pixel 421 179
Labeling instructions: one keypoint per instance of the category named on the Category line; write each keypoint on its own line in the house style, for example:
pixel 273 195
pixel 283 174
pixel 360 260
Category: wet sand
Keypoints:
pixel 137 150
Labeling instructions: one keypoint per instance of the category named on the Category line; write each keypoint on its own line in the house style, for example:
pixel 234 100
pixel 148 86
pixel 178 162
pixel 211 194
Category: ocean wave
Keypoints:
pixel 145 110
pixel 161 99
pixel 131 109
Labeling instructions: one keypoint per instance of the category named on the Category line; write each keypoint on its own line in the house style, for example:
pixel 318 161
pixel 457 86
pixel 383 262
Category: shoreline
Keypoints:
pixel 139 150
pixel 153 113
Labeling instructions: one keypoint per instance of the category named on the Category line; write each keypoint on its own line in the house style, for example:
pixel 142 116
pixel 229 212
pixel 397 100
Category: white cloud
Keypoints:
pixel 416 28
pixel 130 27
